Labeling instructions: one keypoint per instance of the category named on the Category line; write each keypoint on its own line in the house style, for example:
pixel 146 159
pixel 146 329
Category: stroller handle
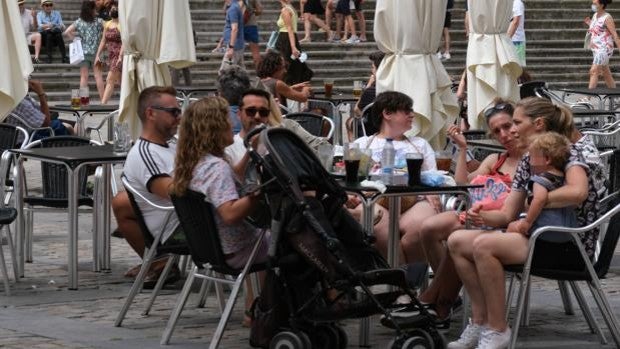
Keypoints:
pixel 256 130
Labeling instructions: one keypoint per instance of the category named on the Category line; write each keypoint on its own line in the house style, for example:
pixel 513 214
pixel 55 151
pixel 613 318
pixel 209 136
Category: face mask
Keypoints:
pixel 594 8
pixel 114 14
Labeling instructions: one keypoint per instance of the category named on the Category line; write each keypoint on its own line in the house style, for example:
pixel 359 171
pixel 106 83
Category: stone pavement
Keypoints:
pixel 43 313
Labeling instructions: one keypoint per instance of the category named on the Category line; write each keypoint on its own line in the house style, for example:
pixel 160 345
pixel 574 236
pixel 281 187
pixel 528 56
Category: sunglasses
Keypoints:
pixel 500 107
pixel 47 5
pixel 174 111
pixel 263 112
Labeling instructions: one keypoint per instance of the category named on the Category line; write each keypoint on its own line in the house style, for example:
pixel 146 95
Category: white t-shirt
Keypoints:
pixel 518 9
pixel 27 21
pixel 235 151
pixel 409 145
pixel 147 161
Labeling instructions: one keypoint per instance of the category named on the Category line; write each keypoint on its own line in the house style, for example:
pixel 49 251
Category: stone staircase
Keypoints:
pixel 555 33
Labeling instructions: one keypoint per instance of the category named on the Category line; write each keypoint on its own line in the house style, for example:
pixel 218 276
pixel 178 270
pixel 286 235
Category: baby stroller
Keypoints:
pixel 322 268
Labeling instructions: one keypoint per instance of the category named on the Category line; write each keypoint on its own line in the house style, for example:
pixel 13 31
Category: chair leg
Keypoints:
pixel 568 305
pixel 230 304
pixel 7 288
pixel 205 288
pixel 178 308
pixel 606 310
pixel 525 319
pixel 587 312
pixel 137 285
pixel 9 238
pixel 160 283
pixel 219 292
pixel 96 231
pixel 521 300
pixel 29 227
pixel 510 294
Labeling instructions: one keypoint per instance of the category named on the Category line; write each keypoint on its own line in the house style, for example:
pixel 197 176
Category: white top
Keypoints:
pixel 27 21
pixel 518 9
pixel 235 151
pixel 401 148
pixel 147 161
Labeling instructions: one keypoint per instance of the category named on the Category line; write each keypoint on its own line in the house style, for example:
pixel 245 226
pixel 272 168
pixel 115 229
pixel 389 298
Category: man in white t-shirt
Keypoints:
pixel 148 169
pixel 516 30
pixel 29 23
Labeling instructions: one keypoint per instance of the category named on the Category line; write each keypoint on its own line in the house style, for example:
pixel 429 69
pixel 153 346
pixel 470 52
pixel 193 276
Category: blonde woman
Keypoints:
pixel 288 45
pixel 111 41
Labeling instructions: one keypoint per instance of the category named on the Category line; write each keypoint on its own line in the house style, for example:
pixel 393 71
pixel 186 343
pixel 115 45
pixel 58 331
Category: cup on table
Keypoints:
pixel 357 88
pixel 84 96
pixel 365 162
pixel 352 157
pixel 414 168
pixel 443 159
pixel 122 138
pixel 75 99
pixel 328 84
pixel 326 155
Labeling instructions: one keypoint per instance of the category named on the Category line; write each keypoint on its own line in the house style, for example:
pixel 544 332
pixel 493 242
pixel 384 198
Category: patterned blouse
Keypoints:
pixel 214 177
pixel 585 154
pixel 90 33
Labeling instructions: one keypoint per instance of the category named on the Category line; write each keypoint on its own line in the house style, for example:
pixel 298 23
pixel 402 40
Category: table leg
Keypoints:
pixel 105 232
pixel 19 223
pixel 72 193
pixel 364 331
pixel 79 125
pixel 393 246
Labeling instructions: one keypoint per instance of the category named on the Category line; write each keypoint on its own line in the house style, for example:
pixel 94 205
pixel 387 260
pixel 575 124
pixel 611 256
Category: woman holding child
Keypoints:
pixel 479 255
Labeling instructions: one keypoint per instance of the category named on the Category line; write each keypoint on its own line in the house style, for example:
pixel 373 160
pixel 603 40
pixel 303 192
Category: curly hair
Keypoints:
pixel 269 64
pixel 556 118
pixel 232 82
pixel 554 146
pixel 200 133
pixel 87 10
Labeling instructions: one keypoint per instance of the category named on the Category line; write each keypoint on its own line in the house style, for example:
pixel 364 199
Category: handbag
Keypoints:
pixel 273 38
pixel 76 53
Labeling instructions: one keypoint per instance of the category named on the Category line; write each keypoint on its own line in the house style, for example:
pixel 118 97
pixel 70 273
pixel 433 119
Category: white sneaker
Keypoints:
pixel 469 338
pixel 439 55
pixel 353 40
pixel 446 56
pixel 491 339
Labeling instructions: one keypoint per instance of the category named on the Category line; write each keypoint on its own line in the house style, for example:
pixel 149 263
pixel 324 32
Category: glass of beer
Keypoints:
pixel 443 159
pixel 357 88
pixel 84 96
pixel 414 168
pixel 328 84
pixel 75 99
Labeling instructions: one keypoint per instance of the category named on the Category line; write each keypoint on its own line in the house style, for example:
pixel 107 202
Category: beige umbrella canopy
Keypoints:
pixel 492 63
pixel 409 32
pixel 15 64
pixel 155 34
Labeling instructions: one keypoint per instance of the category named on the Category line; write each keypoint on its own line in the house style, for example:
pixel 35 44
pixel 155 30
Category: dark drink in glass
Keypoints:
pixel 329 86
pixel 414 167
pixel 351 167
pixel 84 100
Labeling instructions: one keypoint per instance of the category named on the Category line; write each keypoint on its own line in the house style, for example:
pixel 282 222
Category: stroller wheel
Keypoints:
pixel 326 336
pixel 416 343
pixel 305 339
pixel 439 339
pixel 418 332
pixel 287 340
pixel 415 339
pixel 343 339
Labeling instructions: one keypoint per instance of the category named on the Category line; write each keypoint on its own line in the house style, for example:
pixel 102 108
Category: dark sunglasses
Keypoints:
pixel 174 111
pixel 47 5
pixel 263 112
pixel 499 107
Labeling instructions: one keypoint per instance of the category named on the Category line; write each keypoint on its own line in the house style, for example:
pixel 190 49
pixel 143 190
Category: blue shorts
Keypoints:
pixel 250 34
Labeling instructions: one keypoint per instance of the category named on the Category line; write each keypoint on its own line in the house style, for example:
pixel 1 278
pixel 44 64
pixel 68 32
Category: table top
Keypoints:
pixel 100 108
pixel 487 142
pixel 599 91
pixel 405 189
pixel 337 98
pixel 74 155
pixel 594 112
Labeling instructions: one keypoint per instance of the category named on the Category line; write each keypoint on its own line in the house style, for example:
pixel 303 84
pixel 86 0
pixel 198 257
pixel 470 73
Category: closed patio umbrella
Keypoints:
pixel 15 64
pixel 492 63
pixel 409 32
pixel 156 34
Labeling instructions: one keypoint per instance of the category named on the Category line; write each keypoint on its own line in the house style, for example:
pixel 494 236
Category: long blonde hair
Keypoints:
pixel 200 133
pixel 556 118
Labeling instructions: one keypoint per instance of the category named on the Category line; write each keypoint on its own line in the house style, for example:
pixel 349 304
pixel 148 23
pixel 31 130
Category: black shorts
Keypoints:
pixel 447 23
pixel 314 7
pixel 343 8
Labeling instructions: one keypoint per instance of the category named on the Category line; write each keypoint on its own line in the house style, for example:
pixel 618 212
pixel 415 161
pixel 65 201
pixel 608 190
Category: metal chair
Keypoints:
pixel 31 130
pixel 109 119
pixel 54 188
pixel 531 88
pixel 197 218
pixel 7 216
pixel 589 272
pixel 154 247
pixel 313 123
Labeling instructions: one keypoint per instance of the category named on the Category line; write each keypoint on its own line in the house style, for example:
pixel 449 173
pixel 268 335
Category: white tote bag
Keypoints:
pixel 76 54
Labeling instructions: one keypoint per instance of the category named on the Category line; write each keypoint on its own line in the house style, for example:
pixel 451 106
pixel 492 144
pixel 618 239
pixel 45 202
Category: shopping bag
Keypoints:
pixel 76 54
pixel 273 39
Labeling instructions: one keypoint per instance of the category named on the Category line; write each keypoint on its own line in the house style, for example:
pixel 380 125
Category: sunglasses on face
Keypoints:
pixel 47 5
pixel 500 107
pixel 251 111
pixel 174 111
